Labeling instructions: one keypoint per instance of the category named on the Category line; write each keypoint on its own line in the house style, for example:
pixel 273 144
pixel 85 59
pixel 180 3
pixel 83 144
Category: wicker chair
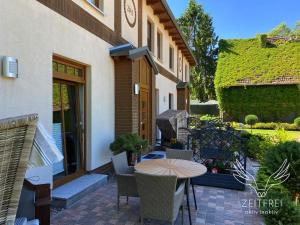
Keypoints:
pixel 159 198
pixel 125 177
pixel 185 155
pixel 16 138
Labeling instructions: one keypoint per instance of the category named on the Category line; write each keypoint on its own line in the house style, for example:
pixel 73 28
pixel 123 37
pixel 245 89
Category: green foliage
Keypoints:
pixel 208 117
pixel 281 136
pixel 251 119
pixel 281 30
pixel 289 151
pixel 287 211
pixel 129 143
pixel 297 29
pixel 263 40
pixel 268 126
pixel 269 103
pixel 258 145
pixel 297 122
pixel 197 27
pixel 244 58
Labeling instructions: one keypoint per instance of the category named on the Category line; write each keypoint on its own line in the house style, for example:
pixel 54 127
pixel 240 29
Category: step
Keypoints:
pixel 68 194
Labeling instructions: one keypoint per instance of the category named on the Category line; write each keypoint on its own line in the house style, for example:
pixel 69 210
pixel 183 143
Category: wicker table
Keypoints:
pixel 183 169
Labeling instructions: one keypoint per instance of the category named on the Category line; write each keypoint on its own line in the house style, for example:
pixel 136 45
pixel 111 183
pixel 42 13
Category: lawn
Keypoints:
pixel 292 135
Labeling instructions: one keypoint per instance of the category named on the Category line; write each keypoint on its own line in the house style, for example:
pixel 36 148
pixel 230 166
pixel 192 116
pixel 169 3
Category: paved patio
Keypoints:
pixel 216 206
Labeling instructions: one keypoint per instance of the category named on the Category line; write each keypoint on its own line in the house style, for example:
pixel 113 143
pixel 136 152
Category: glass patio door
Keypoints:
pixel 68 127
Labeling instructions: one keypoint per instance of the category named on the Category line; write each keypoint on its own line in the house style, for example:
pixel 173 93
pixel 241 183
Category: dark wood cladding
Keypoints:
pixel 183 99
pixel 167 74
pixel 79 16
pixel 125 121
pixel 118 17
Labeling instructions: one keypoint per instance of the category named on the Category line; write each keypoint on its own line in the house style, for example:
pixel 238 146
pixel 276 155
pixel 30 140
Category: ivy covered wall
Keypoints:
pixel 247 60
pixel 270 103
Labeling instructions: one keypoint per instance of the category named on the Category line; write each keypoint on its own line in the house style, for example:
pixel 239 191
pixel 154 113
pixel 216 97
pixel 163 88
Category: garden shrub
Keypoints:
pixel 287 211
pixel 258 145
pixel 251 119
pixel 132 143
pixel 297 122
pixel 276 156
pixel 268 126
pixel 280 136
pixel 208 117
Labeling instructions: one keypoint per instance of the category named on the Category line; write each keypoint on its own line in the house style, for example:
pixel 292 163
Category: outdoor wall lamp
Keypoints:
pixel 9 67
pixel 136 89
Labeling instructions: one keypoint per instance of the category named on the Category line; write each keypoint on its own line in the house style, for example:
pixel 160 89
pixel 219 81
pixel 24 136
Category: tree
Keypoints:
pixel 281 30
pixel 197 27
pixel 296 30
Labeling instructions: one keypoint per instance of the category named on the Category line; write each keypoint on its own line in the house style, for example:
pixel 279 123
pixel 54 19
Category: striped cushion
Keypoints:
pixel 21 221
pixel 44 150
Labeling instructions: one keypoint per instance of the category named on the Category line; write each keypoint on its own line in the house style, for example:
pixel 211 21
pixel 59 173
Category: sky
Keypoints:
pixel 244 18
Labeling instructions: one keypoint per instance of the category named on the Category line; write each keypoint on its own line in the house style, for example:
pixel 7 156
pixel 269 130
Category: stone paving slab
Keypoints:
pixel 216 206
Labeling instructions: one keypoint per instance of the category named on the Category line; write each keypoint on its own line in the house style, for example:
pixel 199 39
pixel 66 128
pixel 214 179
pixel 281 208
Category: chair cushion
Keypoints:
pixel 33 222
pixel 21 221
pixel 24 221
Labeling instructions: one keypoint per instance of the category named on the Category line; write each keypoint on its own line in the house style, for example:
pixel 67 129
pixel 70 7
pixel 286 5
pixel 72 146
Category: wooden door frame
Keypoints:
pixel 149 88
pixel 67 79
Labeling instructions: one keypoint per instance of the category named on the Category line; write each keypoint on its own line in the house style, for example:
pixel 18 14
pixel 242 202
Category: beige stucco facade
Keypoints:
pixel 33 33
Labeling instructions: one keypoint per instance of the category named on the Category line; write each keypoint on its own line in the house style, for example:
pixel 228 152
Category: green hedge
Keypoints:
pixel 269 103
pixel 267 126
pixel 251 59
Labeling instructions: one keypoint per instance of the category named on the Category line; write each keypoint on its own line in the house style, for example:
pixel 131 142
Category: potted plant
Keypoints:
pixel 132 144
pixel 175 144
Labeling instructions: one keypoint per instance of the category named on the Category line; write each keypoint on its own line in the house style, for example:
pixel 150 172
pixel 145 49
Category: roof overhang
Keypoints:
pixel 182 85
pixel 133 53
pixel 166 17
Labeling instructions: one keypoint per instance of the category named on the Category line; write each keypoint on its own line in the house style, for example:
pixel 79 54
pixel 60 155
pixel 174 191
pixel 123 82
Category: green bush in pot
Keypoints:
pixel 133 144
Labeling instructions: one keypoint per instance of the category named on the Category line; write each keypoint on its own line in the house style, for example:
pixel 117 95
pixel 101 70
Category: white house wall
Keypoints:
pixel 106 17
pixel 32 33
pixel 165 87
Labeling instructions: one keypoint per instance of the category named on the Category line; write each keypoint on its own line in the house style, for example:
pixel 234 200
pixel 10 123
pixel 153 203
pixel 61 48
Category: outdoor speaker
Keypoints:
pixel 9 67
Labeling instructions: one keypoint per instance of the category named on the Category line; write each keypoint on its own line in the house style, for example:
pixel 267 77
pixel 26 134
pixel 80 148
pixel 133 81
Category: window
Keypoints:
pixel 180 66
pixel 150 35
pixel 186 73
pixel 159 45
pixel 171 58
pixel 171 100
pixel 97 3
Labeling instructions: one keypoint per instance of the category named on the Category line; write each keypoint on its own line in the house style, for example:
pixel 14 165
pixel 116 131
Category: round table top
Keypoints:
pixel 183 169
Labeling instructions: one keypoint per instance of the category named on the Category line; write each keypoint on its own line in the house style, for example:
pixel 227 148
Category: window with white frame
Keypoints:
pixel 186 68
pixel 99 4
pixel 150 35
pixel 171 101
pixel 171 58
pixel 159 43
